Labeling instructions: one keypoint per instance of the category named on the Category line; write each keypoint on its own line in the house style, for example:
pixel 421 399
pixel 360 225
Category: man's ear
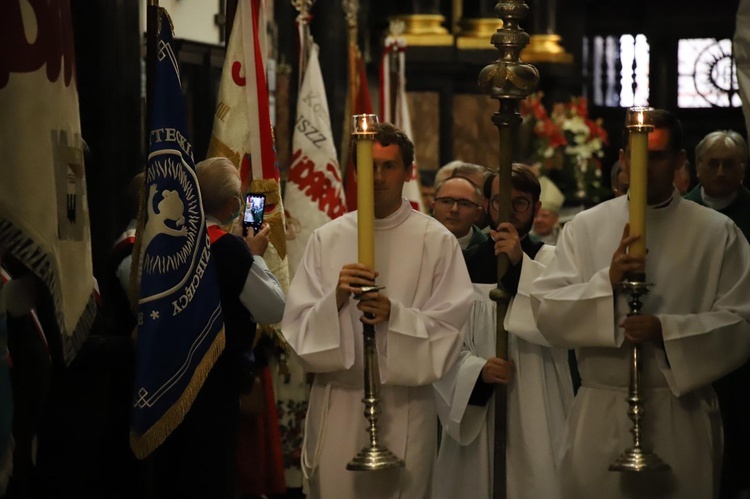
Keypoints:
pixel 478 216
pixel 409 171
pixel 680 159
pixel 537 207
pixel 624 162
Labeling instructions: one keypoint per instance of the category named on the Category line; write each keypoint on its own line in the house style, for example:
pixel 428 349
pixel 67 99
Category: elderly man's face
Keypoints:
pixel 545 222
pixel 457 206
pixel 721 170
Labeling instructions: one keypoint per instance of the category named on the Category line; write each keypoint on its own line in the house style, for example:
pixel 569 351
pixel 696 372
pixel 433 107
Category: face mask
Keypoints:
pixel 236 213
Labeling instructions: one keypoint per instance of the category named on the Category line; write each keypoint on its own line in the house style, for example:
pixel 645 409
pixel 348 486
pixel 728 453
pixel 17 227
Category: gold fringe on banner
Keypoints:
pixel 144 445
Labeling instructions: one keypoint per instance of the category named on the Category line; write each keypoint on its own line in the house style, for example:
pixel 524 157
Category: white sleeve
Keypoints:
pixel 519 319
pixel 123 274
pixel 720 334
pixel 571 311
pixel 262 295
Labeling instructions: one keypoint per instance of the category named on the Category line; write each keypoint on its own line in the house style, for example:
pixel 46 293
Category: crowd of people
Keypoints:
pixel 428 298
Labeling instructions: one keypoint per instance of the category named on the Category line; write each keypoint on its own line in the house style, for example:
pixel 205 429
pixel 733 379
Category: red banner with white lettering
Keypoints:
pixel 314 192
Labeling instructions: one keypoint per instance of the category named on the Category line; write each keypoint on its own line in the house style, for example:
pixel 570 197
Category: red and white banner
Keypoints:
pixel 314 191
pixel 394 78
pixel 361 104
pixel 44 218
pixel 242 124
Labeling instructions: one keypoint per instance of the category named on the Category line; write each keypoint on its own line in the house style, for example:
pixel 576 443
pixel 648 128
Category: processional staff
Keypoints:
pixel 509 81
pixel 305 38
pixel 152 36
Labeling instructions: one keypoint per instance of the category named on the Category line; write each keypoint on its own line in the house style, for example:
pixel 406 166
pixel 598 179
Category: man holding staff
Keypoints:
pixel 540 391
pixel 417 317
pixel 692 329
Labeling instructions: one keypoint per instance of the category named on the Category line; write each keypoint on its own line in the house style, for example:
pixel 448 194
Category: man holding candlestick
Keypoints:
pixel 692 329
pixel 417 318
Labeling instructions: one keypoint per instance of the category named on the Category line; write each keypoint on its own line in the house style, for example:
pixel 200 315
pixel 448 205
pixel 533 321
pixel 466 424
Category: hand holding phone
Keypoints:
pixel 258 243
pixel 255 205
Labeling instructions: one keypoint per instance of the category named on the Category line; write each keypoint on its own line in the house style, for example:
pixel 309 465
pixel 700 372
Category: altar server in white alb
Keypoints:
pixel 693 329
pixel 540 390
pixel 418 317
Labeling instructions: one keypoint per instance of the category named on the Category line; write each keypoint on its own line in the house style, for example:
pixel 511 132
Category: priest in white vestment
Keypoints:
pixel 418 318
pixel 540 391
pixel 693 329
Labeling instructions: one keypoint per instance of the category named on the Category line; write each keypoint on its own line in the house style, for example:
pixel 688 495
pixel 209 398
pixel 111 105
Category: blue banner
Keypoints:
pixel 180 324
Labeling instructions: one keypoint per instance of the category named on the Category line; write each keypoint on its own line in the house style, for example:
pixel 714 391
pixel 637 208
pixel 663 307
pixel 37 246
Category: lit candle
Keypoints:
pixel 639 127
pixel 363 134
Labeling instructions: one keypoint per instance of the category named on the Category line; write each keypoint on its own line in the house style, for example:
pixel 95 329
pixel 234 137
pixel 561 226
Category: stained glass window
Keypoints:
pixel 707 74
pixel 619 69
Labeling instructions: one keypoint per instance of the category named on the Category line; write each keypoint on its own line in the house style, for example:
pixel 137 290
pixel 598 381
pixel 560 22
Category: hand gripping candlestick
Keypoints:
pixel 373 456
pixel 638 124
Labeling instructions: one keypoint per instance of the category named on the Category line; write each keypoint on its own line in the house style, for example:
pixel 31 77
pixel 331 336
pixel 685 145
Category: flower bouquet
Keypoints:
pixel 567 146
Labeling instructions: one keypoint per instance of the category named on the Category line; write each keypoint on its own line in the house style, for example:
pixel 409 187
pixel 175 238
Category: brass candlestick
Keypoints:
pixel 636 458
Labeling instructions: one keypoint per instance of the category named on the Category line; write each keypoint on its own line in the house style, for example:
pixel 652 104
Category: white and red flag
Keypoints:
pixel 394 107
pixel 242 124
pixel 361 103
pixel 44 218
pixel 314 191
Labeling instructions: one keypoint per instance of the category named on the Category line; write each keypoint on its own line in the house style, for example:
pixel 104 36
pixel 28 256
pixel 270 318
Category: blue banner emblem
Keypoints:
pixel 180 324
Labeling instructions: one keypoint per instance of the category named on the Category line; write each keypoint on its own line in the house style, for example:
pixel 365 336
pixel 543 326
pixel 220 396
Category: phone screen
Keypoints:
pixel 255 205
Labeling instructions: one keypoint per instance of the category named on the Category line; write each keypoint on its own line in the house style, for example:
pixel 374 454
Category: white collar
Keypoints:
pixel 464 240
pixel 718 203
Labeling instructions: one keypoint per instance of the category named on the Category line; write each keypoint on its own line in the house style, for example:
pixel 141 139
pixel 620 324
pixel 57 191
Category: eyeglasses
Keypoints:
pixel 727 164
pixel 448 202
pixel 520 205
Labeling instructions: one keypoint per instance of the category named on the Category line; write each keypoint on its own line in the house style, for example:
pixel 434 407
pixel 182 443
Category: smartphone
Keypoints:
pixel 255 205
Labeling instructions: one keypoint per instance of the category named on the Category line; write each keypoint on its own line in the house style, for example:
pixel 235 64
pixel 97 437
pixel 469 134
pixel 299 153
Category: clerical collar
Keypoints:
pixel 464 241
pixel 396 218
pixel 718 203
pixel 657 206
pixel 663 204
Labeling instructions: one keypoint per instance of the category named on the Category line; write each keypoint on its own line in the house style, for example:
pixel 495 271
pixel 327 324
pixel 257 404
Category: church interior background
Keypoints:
pixel 674 55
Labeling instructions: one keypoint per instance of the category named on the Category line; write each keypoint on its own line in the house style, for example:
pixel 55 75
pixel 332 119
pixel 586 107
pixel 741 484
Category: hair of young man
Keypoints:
pixel 729 138
pixel 661 118
pixel 522 179
pixel 387 134
pixel 218 183
pixel 475 188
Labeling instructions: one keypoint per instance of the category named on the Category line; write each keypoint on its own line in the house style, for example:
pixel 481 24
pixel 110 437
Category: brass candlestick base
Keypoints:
pixel 374 456
pixel 636 458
